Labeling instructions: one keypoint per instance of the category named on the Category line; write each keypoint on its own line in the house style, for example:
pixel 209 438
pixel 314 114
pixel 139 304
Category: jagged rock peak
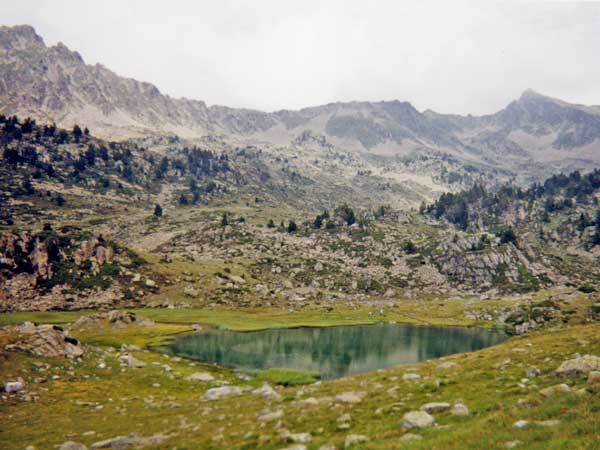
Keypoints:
pixel 19 37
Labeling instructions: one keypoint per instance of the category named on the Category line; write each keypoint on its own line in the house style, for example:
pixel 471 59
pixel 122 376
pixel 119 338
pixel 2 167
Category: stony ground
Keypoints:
pixel 122 393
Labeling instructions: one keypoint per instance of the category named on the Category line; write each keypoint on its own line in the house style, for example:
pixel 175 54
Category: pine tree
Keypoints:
pixel 158 211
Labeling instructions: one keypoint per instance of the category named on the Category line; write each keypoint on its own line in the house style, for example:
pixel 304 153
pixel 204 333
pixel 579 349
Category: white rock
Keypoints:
pixel 521 424
pixel 459 409
pixel 417 419
pixel 271 416
pixel 446 365
pixel 267 392
pixel 200 376
pixel 13 386
pixel 411 376
pixel 353 439
pixel 223 391
pixel 350 397
pixel 435 407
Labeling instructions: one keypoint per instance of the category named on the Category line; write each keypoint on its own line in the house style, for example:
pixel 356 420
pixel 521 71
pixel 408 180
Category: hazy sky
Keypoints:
pixel 462 57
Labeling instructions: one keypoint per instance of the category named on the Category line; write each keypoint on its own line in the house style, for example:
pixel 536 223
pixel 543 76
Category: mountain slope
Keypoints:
pixel 54 84
pixel 367 153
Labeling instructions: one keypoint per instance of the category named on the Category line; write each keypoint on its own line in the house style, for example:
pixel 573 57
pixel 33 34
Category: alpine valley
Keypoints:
pixel 129 219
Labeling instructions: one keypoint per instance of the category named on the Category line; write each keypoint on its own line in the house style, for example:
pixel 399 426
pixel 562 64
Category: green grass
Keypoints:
pixel 288 377
pixel 487 381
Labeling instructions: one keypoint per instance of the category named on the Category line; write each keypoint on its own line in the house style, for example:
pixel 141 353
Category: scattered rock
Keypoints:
pixel 416 419
pixel 132 440
pixel 191 292
pixel 353 439
pixel 446 365
pixel 223 391
pixel 70 445
pixel 131 361
pixel 580 364
pixel 594 377
pixel 435 407
pixel 298 438
pixel 48 340
pixel 521 424
pixel 549 391
pixel 344 422
pixel 459 409
pixel 512 444
pixel 271 416
pixel 532 372
pixel 267 392
pixel 350 397
pixel 309 401
pixel 13 386
pixel 200 376
pixel 295 447
pixel 411 377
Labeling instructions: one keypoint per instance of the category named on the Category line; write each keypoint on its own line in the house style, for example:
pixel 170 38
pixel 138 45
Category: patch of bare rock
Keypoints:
pixel 45 340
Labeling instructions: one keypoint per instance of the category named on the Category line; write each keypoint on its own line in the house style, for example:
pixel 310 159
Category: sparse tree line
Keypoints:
pixel 561 192
pixel 71 157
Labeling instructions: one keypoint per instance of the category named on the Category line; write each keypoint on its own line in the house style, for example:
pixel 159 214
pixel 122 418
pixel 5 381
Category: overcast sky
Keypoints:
pixel 452 57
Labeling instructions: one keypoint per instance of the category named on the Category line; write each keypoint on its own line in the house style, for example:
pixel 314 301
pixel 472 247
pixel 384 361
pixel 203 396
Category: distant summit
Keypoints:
pixel 54 84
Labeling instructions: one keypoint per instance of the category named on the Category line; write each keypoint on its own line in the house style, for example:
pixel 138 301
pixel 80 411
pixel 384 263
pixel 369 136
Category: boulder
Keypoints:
pixel 223 391
pixel 350 397
pixel 70 445
pixel 344 422
pixel 459 409
pixel 581 364
pixel 411 377
pixel 446 365
pixel 200 376
pixel 594 377
pixel 267 392
pixel 435 407
pixel 13 386
pixel 416 419
pixel 521 424
pixel 549 391
pixel 131 361
pixel 297 438
pixel 271 416
pixel 353 439
pixel 132 440
pixel 48 340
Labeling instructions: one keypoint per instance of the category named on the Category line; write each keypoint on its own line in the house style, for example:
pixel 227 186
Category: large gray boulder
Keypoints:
pixel 223 391
pixel 417 419
pixel 581 364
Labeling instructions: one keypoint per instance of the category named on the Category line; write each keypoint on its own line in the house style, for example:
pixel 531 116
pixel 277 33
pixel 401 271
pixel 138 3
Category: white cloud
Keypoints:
pixel 462 57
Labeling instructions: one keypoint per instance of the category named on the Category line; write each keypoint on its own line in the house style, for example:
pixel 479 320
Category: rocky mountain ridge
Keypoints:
pixel 533 136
